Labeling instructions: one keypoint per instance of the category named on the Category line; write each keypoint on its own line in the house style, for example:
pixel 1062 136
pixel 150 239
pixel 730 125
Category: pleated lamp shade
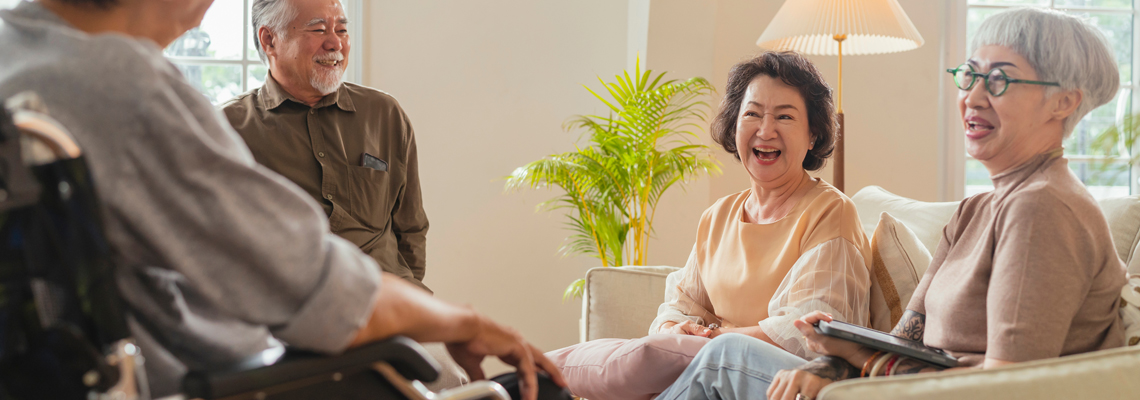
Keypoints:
pixel 871 26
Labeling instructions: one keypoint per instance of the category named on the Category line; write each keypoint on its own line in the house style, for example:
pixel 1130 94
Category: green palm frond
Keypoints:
pixel 575 290
pixel 647 144
pixel 1116 142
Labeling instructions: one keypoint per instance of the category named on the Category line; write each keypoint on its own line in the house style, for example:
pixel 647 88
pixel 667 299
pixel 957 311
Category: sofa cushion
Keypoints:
pixel 626 369
pixel 621 302
pixel 1130 310
pixel 925 219
pixel 1123 214
pixel 898 261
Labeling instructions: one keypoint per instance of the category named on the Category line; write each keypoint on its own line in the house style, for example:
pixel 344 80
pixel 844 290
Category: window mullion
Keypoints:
pixel 1134 178
pixel 245 46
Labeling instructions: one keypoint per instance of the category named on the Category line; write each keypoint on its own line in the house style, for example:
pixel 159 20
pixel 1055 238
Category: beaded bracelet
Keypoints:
pixel 891 370
pixel 879 365
pixel 863 372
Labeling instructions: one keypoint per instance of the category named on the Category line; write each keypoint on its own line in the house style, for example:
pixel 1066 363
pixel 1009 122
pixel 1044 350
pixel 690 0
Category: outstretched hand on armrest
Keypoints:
pixel 403 309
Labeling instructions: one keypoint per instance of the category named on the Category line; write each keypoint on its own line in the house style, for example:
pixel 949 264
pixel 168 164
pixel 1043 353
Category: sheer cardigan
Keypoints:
pixel 742 274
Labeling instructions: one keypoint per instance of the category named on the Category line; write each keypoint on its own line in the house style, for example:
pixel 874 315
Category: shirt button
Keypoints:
pixel 321 154
pixel 312 111
pixel 328 196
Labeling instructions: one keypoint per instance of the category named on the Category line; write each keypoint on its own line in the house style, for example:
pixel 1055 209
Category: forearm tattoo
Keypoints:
pixel 910 326
pixel 833 368
pixel 911 366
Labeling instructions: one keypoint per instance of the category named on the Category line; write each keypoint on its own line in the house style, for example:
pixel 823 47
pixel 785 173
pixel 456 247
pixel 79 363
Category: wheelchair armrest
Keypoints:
pixel 301 368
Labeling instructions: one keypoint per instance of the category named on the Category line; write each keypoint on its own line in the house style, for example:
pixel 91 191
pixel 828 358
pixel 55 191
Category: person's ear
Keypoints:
pixel 268 41
pixel 1066 103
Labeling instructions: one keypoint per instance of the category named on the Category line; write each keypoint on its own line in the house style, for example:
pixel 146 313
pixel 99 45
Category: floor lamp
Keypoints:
pixel 835 27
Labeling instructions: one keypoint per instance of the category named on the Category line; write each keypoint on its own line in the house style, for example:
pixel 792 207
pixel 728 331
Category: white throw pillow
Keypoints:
pixel 1130 310
pixel 1123 214
pixel 898 261
pixel 925 219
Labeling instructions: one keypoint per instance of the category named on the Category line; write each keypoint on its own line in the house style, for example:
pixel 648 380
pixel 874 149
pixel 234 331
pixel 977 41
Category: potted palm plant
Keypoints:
pixel 611 187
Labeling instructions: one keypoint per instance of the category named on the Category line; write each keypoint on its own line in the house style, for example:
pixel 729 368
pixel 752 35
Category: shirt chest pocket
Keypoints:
pixel 370 196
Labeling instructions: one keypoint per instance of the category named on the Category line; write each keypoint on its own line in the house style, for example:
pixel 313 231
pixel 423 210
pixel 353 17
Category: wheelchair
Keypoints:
pixel 63 327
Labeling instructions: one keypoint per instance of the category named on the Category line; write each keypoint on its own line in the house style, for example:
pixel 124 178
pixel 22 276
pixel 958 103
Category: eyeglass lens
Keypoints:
pixel 996 81
pixel 964 77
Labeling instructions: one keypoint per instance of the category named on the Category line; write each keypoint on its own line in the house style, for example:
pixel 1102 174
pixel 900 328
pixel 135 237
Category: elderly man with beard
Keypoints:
pixel 350 147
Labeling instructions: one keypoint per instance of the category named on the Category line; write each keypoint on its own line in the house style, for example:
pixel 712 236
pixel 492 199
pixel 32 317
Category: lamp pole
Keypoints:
pixel 839 108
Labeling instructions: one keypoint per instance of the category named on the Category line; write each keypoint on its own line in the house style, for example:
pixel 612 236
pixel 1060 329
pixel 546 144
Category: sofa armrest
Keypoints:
pixel 1109 374
pixel 621 302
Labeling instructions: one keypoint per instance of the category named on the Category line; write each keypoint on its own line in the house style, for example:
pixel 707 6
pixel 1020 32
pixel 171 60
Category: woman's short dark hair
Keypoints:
pixel 795 71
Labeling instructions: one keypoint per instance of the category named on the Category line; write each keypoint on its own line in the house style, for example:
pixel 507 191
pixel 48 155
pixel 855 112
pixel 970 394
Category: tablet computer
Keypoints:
pixel 885 342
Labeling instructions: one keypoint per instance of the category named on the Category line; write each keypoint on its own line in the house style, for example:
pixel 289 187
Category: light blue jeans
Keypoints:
pixel 732 366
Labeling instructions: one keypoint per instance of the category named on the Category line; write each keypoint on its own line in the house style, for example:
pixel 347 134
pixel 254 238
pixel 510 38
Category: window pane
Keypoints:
pixel 218 37
pixel 257 73
pixel 1098 121
pixel 1095 3
pixel 218 82
pixel 1102 179
pixel 977 178
pixel 1012 2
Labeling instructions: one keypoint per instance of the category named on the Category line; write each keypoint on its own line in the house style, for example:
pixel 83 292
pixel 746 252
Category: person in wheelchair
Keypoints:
pixel 218 258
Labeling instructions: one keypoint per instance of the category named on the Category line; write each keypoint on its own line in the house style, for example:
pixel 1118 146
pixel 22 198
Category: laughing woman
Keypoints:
pixel 790 243
pixel 764 257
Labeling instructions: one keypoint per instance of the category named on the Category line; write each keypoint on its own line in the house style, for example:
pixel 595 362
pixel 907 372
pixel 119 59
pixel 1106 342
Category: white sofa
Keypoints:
pixel 621 302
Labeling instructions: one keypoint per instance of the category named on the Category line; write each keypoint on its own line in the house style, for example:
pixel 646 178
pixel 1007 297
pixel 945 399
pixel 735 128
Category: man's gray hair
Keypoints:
pixel 275 15
pixel 1062 48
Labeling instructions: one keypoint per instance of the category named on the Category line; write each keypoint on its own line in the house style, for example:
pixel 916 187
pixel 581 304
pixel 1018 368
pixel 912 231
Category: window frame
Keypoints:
pixel 954 157
pixel 353 9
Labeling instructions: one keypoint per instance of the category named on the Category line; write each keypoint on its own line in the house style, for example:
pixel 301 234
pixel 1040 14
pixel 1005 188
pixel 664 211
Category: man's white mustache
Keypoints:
pixel 329 57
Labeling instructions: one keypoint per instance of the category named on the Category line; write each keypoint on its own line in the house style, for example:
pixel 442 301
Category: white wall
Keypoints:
pixel 488 84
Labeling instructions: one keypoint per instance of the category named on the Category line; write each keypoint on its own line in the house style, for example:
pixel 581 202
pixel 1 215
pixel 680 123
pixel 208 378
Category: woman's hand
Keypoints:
pixel 685 328
pixel 827 345
pixel 790 382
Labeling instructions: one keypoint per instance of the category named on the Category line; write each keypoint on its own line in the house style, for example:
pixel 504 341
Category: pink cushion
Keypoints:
pixel 626 369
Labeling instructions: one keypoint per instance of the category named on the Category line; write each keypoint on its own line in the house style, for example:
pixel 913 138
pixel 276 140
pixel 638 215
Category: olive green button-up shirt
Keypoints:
pixel 324 148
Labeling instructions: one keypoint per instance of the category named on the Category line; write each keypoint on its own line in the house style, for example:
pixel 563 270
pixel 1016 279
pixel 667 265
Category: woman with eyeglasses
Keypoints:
pixel 1025 272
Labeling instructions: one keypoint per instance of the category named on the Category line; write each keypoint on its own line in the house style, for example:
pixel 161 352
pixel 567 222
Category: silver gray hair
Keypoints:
pixel 275 15
pixel 1062 48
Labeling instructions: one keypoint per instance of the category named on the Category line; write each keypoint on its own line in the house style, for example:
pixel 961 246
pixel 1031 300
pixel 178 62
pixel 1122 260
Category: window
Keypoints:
pixel 1106 174
pixel 220 59
pixel 4 4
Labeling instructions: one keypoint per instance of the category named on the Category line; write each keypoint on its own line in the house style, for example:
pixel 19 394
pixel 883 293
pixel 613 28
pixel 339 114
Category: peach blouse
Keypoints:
pixel 741 274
